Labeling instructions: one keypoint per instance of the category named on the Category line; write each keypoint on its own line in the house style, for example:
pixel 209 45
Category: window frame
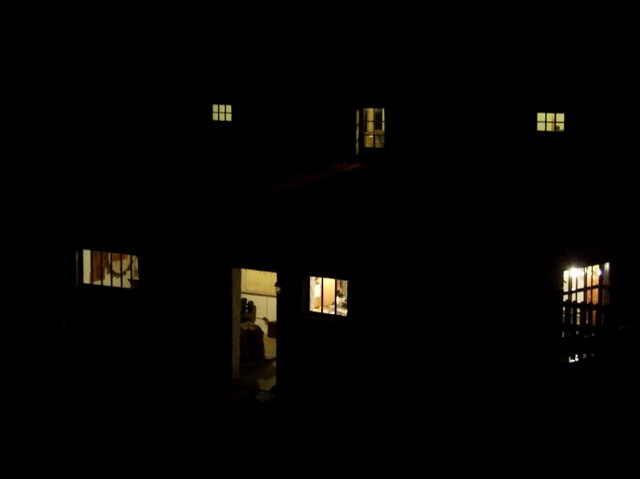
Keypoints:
pixel 322 314
pixel 550 122
pixel 220 110
pixel 129 273
pixel 365 118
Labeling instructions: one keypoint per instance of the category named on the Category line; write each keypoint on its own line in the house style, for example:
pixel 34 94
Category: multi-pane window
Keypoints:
pixel 585 298
pixel 222 112
pixel 550 122
pixel 117 270
pixel 370 129
pixel 328 295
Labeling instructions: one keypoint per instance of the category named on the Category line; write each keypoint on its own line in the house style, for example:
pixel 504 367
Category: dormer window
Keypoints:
pixel 222 112
pixel 370 129
pixel 550 122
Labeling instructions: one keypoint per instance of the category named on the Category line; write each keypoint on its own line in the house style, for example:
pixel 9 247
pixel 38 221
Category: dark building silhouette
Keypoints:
pixel 422 224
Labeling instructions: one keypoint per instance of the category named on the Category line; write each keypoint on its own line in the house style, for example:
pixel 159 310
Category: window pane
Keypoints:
pixel 606 274
pixel 595 295
pixel 228 116
pixel 541 126
pixel 368 141
pixel 342 294
pixel 223 108
pixel 328 295
pixel 589 276
pixel 580 278
pixel 560 127
pixel 369 127
pixel 228 108
pixel 379 141
pixel 560 117
pixel 551 117
pixel 86 266
pixel 215 108
pixel 580 297
pixel 215 117
pixel 116 270
pixel 565 280
pixel 541 117
pixel 315 294
pixel 368 114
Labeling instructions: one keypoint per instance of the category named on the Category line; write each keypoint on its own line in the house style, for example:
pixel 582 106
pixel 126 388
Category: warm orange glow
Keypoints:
pixel 328 295
pixel 117 270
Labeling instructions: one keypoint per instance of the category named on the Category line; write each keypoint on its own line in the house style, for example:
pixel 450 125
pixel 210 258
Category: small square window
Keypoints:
pixel 221 113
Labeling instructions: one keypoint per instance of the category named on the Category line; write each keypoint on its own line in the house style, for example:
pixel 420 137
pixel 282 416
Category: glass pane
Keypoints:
pixel 580 278
pixel 228 108
pixel 541 126
pixel 215 108
pixel 551 117
pixel 379 141
pixel 135 272
pixel 588 296
pixel 369 127
pixel 116 270
pixel 342 296
pixel 559 126
pixel 223 108
pixel 315 294
pixel 86 266
pixel 228 116
pixel 368 141
pixel 550 126
pixel 595 293
pixel 541 117
pixel 560 117
pixel 565 297
pixel 328 295
pixel 580 297
pixel 215 117
pixel 368 114
pixel 589 276
pixel 606 274
pixel 565 280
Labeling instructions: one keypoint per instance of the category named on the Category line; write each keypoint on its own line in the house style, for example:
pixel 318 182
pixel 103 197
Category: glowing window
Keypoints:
pixel 328 295
pixel 116 270
pixel 370 129
pixel 550 122
pixel 585 295
pixel 222 112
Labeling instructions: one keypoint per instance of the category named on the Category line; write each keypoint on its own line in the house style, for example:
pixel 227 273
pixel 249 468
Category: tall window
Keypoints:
pixel 370 129
pixel 221 112
pixel 328 295
pixel 550 121
pixel 117 270
pixel 585 297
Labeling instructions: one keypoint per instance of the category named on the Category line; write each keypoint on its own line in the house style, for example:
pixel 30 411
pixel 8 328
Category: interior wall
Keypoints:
pixel 235 322
pixel 259 282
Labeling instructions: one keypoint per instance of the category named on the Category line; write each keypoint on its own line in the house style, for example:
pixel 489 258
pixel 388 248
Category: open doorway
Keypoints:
pixel 254 328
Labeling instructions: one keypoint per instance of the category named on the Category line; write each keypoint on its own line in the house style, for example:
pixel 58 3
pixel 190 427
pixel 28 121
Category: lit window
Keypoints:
pixel 585 297
pixel 328 295
pixel 550 121
pixel 222 112
pixel 117 270
pixel 370 129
